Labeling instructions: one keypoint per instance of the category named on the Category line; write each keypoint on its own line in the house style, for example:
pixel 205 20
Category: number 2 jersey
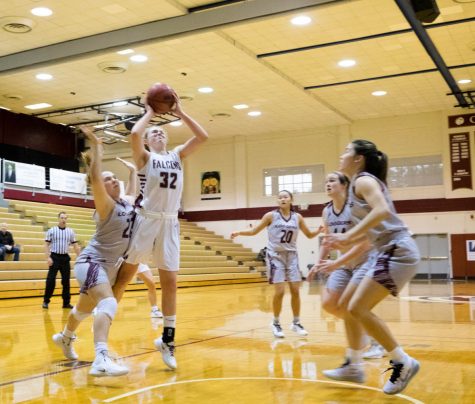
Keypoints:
pixel 283 232
pixel 111 239
pixel 161 182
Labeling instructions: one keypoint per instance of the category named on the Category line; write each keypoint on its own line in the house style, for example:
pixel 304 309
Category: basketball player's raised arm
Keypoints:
pixel 131 188
pixel 139 153
pixel 266 221
pixel 103 202
pixel 199 133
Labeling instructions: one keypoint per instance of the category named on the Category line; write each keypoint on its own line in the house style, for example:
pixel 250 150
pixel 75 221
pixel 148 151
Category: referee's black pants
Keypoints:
pixel 61 263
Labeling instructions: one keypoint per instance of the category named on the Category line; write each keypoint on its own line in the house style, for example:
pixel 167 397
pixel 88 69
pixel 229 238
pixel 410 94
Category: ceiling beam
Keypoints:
pixel 152 32
pixel 426 41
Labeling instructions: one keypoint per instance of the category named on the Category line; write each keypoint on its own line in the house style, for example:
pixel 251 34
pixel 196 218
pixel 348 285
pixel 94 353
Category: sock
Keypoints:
pixel 169 321
pixel 154 308
pixel 68 333
pixel 296 320
pixel 276 320
pixel 100 346
pixel 398 355
pixel 366 340
pixel 355 356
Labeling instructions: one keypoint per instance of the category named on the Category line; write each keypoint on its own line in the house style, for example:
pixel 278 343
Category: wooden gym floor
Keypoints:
pixel 226 353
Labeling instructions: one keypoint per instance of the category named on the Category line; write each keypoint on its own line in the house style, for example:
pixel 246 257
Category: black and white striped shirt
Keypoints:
pixel 60 239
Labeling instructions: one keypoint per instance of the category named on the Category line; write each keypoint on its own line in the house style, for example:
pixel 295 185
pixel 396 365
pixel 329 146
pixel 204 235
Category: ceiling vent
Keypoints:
pixel 113 67
pixel 13 97
pixel 17 25
pixel 221 115
pixel 186 97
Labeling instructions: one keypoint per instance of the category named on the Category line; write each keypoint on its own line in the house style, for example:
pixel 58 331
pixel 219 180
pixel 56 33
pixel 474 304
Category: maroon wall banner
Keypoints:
pixel 460 161
pixel 458 121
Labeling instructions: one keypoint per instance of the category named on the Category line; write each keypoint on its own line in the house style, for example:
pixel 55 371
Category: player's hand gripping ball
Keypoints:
pixel 161 97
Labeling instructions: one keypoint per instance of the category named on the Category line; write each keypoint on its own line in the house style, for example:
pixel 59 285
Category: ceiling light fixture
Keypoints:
pixel 120 103
pixel 41 11
pixel 301 20
pixel 464 81
pixel 346 63
pixel 205 90
pixel 240 106
pixel 125 51
pixel 254 113
pixel 38 106
pixel 379 93
pixel 8 109
pixel 139 58
pixel 176 123
pixel 44 76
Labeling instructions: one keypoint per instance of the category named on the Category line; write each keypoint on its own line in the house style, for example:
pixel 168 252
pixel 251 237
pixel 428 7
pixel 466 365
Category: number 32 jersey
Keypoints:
pixel 161 182
pixel 283 232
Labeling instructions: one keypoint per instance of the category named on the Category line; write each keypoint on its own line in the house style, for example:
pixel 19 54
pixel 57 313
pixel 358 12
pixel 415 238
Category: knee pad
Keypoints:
pixel 79 315
pixel 108 306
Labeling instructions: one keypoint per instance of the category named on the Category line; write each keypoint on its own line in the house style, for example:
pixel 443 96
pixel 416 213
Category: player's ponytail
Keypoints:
pixel 376 162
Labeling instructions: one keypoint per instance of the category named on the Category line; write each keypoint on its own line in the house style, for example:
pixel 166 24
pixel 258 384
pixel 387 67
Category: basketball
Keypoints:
pixel 161 97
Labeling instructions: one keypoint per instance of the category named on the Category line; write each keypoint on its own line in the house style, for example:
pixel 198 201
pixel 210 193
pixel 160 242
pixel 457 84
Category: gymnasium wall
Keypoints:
pixel 241 161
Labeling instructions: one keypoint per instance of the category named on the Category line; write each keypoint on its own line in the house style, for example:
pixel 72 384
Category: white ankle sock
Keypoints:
pixel 68 333
pixel 154 308
pixel 100 346
pixel 355 356
pixel 398 355
pixel 169 321
pixel 276 320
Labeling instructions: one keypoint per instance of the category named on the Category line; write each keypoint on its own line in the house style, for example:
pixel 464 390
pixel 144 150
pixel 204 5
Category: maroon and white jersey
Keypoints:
pixel 161 182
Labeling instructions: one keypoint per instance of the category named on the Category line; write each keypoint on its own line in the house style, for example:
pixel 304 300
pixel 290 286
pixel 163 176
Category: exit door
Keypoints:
pixel 435 261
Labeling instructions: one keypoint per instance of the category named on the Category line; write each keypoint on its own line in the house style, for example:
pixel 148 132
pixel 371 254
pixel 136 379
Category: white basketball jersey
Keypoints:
pixel 283 232
pixel 161 182
pixel 338 222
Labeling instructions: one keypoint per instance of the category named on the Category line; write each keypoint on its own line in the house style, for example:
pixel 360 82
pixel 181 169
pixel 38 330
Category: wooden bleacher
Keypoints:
pixel 206 258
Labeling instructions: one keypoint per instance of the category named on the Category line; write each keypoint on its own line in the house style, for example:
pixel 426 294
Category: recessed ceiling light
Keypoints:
pixel 125 51
pixel 379 93
pixel 346 63
pixel 301 20
pixel 41 11
pixel 139 58
pixel 176 123
pixel 205 90
pixel 464 81
pixel 38 106
pixel 240 106
pixel 254 113
pixel 120 103
pixel 8 109
pixel 44 76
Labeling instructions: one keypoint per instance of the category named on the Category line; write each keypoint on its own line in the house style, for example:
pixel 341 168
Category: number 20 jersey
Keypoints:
pixel 283 232
pixel 161 182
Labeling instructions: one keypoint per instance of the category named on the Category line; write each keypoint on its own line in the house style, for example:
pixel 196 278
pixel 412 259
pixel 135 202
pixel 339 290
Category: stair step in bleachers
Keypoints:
pixel 204 256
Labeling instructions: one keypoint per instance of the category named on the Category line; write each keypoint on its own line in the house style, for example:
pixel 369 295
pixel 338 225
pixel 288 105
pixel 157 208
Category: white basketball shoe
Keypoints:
pixel 103 365
pixel 66 344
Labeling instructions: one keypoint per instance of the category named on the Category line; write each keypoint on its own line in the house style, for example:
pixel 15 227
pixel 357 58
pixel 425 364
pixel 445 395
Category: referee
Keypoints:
pixel 57 243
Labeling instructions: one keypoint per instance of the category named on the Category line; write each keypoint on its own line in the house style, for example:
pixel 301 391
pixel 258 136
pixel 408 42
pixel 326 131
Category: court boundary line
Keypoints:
pixel 352 385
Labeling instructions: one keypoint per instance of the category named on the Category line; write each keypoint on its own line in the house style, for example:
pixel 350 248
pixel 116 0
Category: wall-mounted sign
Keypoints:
pixel 460 161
